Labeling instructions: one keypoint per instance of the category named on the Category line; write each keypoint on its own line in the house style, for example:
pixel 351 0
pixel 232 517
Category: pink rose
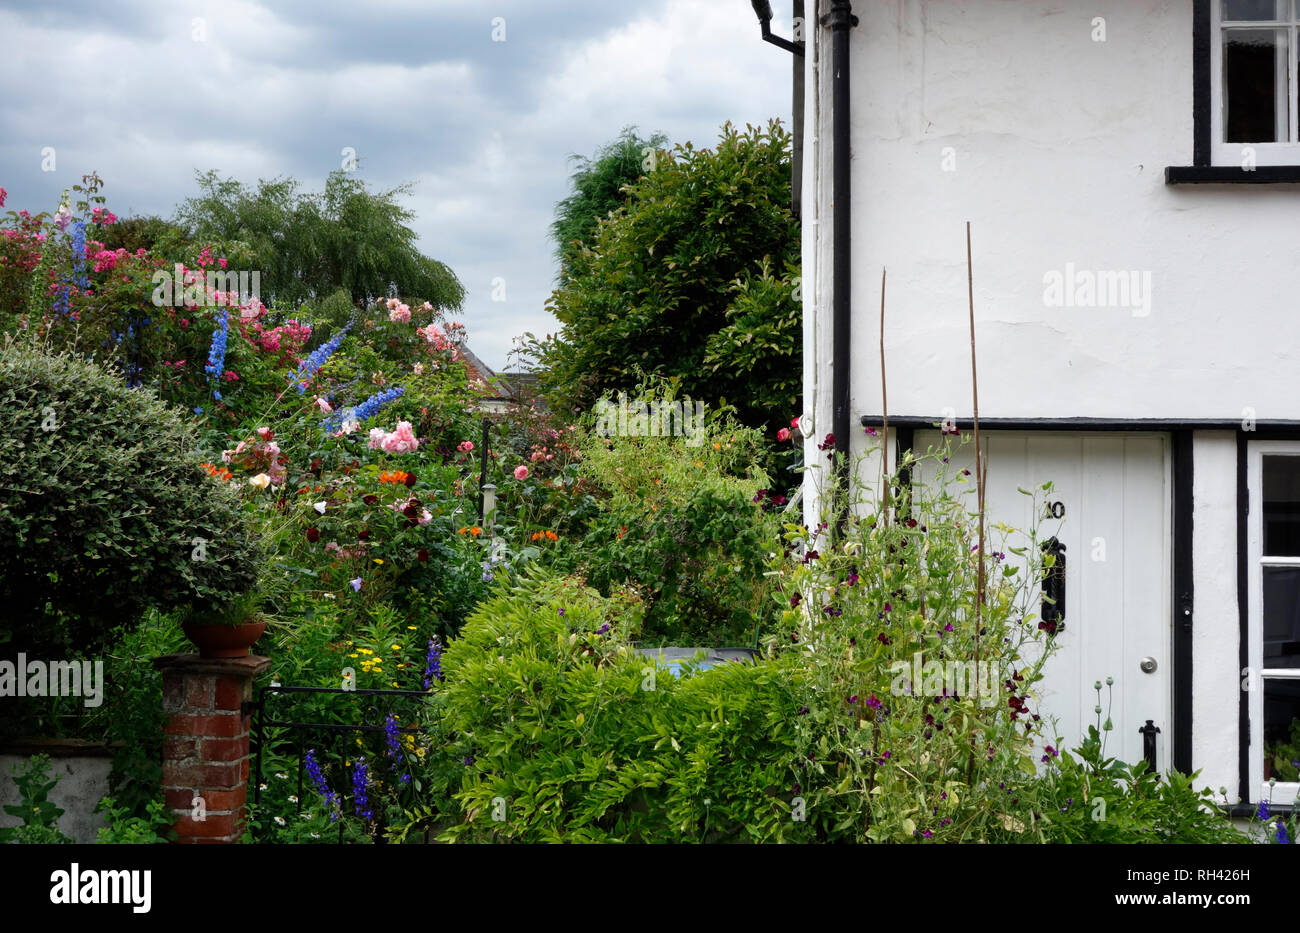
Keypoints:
pixel 324 405
pixel 783 434
pixel 3 194
pixel 402 440
pixel 465 446
pixel 402 315
pixel 376 438
pixel 265 434
pixel 794 424
pixel 521 472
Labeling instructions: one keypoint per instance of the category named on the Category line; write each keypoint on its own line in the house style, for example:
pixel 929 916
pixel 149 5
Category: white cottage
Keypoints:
pixel 1131 172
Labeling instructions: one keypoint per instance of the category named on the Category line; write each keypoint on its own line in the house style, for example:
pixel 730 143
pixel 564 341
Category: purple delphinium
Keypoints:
pixel 433 663
pixel 1282 837
pixel 1263 810
pixel 392 736
pixel 318 782
pixel 361 789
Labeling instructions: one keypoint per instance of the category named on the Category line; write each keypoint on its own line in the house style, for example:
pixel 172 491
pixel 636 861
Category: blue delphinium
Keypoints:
pixel 366 409
pixel 318 782
pixel 216 364
pixel 433 663
pixel 79 278
pixel 361 790
pixel 1282 837
pixel 1262 813
pixel 317 358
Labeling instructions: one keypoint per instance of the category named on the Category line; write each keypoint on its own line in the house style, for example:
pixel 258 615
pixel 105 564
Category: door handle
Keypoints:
pixel 1149 744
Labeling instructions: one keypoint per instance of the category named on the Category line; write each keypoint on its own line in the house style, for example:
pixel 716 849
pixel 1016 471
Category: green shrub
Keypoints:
pixel 39 814
pixel 105 509
pixel 557 731
pixel 683 525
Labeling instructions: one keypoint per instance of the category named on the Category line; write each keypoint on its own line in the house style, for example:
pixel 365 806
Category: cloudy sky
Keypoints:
pixel 147 92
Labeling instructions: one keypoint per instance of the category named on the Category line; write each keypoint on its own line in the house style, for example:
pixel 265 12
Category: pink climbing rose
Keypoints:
pixel 521 472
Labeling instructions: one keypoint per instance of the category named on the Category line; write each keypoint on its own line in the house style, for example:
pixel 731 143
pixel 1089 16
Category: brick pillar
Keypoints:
pixel 205 748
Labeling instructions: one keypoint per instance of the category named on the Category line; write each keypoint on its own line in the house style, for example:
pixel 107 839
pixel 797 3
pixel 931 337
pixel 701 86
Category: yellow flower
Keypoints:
pixel 394 683
pixel 365 651
pixel 397 647
pixel 261 481
pixel 412 627
pixel 379 560
pixel 353 655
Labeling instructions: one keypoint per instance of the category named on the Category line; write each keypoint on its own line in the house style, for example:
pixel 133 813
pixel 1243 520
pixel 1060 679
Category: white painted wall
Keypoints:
pixel 1060 145
pixel 1216 625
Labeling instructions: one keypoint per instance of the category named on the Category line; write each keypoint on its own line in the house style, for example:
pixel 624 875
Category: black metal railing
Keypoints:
pixel 376 706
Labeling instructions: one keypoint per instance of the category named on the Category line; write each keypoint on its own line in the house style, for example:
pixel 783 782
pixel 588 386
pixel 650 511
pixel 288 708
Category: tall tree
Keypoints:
pixel 693 278
pixel 309 244
pixel 599 187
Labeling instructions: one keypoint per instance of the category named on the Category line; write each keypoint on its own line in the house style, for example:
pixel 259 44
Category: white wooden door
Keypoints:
pixel 1112 492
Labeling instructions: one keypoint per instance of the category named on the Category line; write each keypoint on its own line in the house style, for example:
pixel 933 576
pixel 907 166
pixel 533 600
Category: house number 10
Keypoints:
pixel 1055 510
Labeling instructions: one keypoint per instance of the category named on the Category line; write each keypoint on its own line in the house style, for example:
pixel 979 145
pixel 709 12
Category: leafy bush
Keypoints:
pixel 1090 798
pixel 39 814
pixel 684 525
pixel 125 829
pixel 557 731
pixel 105 510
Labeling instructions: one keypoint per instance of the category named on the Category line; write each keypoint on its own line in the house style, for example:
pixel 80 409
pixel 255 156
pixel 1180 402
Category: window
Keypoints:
pixel 1254 71
pixel 1274 621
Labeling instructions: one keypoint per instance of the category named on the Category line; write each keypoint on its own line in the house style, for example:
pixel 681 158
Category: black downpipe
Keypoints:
pixel 841 20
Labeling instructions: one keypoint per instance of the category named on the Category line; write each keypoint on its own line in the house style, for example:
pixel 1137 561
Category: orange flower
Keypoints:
pixel 476 531
pixel 552 536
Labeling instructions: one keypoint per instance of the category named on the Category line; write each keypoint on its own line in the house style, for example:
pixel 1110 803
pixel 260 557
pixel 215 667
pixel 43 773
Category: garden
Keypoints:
pixel 487 592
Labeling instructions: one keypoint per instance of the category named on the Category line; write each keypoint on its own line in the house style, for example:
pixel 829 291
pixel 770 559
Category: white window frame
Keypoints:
pixel 1276 153
pixel 1283 792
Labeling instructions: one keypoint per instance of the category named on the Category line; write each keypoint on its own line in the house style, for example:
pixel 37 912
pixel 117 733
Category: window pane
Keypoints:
pixel 1281 506
pixel 1282 730
pixel 1250 9
pixel 1254 87
pixel 1282 617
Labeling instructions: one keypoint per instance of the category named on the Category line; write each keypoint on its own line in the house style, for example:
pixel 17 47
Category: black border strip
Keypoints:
pixel 1183 468
pixel 1201 23
pixel 1232 175
pixel 1243 618
pixel 1262 429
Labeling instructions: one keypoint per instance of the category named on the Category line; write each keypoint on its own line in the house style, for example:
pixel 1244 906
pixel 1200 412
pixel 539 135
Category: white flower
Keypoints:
pixel 260 481
pixel 320 507
pixel 279 820
pixel 324 405
pixel 282 776
pixel 293 798
pixel 261 787
pixel 315 835
pixel 328 595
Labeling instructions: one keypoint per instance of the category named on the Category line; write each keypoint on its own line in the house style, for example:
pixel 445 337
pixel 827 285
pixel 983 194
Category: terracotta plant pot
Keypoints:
pixel 224 641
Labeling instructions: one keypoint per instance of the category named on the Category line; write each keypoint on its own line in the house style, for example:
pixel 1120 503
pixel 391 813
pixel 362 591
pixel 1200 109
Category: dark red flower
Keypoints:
pixel 422 555
pixel 410 511
pixel 370 499
pixel 410 479
pixel 363 536
pixel 313 535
